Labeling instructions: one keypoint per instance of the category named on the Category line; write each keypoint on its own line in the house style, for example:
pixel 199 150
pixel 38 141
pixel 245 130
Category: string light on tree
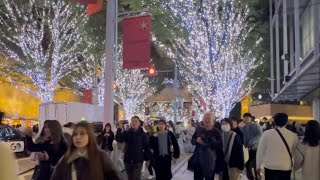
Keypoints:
pixel 41 40
pixel 133 89
pixel 214 62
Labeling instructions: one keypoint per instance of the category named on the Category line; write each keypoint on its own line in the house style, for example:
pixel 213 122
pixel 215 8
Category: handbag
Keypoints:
pixel 192 163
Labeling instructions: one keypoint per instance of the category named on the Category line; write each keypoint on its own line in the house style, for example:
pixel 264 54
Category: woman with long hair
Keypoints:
pixel 307 155
pixel 50 148
pixel 107 138
pixel 84 160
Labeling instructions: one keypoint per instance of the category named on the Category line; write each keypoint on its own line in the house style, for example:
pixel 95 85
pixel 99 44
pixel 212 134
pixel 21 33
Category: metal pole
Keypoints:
pixel 175 86
pixel 108 114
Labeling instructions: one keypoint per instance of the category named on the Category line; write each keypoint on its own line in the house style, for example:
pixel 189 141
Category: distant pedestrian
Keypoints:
pixel 307 155
pixel 150 133
pixel 136 148
pixel 275 150
pixel 164 146
pixel 251 136
pixel 107 138
pixel 84 160
pixel 189 147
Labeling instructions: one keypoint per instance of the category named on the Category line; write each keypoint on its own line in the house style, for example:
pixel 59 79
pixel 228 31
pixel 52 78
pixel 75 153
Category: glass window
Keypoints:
pixel 307 30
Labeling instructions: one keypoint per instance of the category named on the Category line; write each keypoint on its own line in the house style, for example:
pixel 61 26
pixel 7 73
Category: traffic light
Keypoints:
pixel 152 71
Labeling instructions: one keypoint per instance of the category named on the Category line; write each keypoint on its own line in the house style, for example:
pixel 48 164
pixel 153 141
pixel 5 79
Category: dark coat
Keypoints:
pixel 239 132
pixel 209 157
pixel 154 145
pixel 136 148
pixel 55 152
pixel 236 159
pixel 63 170
pixel 106 142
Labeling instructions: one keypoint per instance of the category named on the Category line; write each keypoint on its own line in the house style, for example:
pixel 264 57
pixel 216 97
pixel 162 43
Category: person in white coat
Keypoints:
pixel 307 155
pixel 181 137
pixel 275 150
pixel 189 148
pixel 8 165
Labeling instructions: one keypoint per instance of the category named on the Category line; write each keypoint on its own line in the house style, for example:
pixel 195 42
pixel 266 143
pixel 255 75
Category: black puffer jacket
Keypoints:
pixel 136 148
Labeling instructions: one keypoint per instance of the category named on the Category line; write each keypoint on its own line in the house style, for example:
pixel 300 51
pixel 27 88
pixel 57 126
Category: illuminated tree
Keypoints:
pixel 41 40
pixel 213 60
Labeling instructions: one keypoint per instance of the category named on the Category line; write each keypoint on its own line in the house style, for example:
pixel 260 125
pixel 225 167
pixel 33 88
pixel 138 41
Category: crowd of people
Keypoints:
pixel 227 149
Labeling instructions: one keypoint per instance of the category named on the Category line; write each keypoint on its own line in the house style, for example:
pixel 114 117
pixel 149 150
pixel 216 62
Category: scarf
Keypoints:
pixel 163 143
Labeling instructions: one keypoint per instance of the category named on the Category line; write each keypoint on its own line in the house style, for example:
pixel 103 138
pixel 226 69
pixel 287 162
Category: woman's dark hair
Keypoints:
pixel 312 133
pixel 56 131
pixel 151 129
pixel 41 137
pixel 280 119
pixel 105 128
pixel 95 169
pixel 162 121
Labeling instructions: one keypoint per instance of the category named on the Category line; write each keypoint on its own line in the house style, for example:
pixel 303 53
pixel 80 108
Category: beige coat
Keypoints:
pixel 8 165
pixel 308 158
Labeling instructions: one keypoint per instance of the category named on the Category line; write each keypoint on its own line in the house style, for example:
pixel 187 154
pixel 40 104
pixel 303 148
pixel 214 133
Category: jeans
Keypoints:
pixel 277 175
pixel 133 171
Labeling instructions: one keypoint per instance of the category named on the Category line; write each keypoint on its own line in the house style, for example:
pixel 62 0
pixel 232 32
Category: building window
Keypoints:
pixel 307 30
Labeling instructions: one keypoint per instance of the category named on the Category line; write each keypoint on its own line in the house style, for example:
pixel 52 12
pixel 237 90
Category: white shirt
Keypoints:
pixel 272 152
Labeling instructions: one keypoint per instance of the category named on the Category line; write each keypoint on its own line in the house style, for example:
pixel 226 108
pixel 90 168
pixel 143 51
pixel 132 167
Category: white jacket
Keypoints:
pixel 272 152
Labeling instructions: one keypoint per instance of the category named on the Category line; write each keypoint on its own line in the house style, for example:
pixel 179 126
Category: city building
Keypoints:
pixel 295 52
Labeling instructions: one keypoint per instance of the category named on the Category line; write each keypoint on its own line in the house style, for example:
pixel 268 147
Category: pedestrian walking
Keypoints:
pixel 181 137
pixel 163 146
pixel 136 148
pixel 84 160
pixel 150 133
pixel 233 150
pixel 117 153
pixel 189 147
pixel 207 159
pixel 235 127
pixel 49 151
pixel 251 136
pixel 307 155
pixel 275 150
pixel 106 139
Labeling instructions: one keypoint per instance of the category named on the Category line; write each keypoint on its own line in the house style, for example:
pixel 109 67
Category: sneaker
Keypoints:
pixel 151 177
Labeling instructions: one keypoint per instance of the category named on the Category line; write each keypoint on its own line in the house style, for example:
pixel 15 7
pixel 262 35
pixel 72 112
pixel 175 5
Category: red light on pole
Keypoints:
pixel 152 71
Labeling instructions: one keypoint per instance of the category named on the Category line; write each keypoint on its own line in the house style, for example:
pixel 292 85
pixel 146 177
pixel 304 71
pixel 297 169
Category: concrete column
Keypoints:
pixel 271 49
pixel 297 35
pixel 316 108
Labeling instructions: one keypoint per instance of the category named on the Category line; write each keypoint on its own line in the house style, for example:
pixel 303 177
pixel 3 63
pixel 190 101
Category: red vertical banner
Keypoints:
pixel 87 96
pixel 94 8
pixel 136 42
